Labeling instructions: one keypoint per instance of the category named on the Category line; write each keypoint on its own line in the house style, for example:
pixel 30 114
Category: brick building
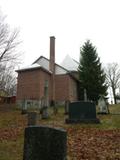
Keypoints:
pixel 45 78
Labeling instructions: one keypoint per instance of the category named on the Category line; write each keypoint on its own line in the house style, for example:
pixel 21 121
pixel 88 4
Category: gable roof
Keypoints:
pixel 70 64
pixel 43 63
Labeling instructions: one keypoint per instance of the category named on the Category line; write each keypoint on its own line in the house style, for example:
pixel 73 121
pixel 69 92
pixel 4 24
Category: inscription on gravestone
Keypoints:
pixel 44 143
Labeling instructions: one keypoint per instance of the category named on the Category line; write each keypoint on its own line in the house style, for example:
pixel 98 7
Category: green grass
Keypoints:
pixel 12 149
pixel 115 108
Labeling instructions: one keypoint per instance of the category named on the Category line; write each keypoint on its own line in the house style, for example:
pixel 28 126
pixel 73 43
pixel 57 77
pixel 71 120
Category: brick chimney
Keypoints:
pixel 52 54
pixel 52 67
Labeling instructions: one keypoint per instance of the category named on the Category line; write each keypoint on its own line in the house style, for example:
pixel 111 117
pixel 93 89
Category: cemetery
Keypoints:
pixel 59 115
pixel 31 136
pixel 53 108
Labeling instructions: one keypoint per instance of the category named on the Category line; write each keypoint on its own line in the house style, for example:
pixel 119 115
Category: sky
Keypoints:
pixel 72 22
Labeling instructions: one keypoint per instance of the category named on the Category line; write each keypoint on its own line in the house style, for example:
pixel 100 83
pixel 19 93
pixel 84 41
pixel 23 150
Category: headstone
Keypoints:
pixel 45 143
pixel 85 95
pixel 55 107
pixel 32 118
pixel 103 109
pixel 82 112
pixel 45 114
pixel 55 110
pixel 24 107
pixel 44 109
pixel 67 106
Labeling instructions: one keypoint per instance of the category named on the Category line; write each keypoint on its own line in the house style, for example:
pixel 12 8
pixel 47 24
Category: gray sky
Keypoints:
pixel 72 22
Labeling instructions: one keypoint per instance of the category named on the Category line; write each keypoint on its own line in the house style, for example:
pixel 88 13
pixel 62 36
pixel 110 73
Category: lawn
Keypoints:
pixel 85 141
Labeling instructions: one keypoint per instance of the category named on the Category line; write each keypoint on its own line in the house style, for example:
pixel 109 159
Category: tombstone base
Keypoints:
pixel 76 121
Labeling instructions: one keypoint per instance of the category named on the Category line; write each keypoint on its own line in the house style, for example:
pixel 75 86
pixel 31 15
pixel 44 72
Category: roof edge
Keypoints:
pixel 49 60
pixel 31 69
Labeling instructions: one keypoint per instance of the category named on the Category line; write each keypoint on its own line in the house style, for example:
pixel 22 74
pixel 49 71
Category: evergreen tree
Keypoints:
pixel 91 74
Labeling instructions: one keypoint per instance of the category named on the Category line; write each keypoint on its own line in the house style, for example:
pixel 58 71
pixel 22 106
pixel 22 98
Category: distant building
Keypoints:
pixel 45 78
pixel 7 99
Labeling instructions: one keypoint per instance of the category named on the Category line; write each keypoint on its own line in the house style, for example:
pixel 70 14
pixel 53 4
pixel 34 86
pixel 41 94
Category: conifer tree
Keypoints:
pixel 91 74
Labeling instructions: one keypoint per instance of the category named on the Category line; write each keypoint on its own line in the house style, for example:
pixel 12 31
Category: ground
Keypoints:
pixel 84 141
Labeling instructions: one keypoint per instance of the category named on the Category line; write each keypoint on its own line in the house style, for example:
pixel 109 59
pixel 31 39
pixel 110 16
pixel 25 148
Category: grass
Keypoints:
pixel 112 120
pixel 13 122
pixel 11 150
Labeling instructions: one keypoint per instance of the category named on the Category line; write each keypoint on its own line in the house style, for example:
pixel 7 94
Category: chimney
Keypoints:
pixel 52 68
pixel 52 54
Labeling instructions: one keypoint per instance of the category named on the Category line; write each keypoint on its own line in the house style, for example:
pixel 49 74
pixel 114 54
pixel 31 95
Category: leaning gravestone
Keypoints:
pixel 44 143
pixel 81 111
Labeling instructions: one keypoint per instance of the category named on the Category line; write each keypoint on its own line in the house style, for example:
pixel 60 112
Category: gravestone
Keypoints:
pixel 82 112
pixel 102 106
pixel 44 109
pixel 85 95
pixel 24 107
pixel 55 108
pixel 44 143
pixel 32 118
pixel 44 112
pixel 67 106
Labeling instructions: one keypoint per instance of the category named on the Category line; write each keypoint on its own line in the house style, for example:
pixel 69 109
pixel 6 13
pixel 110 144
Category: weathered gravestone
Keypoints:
pixel 44 112
pixel 44 109
pixel 67 106
pixel 82 112
pixel 32 118
pixel 45 143
pixel 102 106
pixel 24 107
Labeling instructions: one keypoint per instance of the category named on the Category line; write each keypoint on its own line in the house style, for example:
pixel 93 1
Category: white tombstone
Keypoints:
pixel 102 105
pixel 85 95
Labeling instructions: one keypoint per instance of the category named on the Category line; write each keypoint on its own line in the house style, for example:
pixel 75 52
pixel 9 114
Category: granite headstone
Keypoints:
pixel 81 111
pixel 45 143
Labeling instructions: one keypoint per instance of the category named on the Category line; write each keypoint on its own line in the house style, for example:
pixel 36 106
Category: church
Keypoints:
pixel 46 79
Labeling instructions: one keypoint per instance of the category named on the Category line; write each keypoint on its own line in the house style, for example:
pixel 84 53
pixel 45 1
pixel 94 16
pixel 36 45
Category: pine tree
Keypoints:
pixel 91 74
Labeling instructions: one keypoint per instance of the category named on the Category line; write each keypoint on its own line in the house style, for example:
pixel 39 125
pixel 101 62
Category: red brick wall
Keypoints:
pixel 43 77
pixel 31 84
pixel 72 90
pixel 65 88
pixel 61 87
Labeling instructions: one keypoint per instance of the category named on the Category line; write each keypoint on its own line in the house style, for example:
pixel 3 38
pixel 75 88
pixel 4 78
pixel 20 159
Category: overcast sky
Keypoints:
pixel 72 22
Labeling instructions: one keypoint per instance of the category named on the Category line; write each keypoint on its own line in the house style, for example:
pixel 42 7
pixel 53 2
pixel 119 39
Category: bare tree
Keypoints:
pixel 113 77
pixel 7 80
pixel 8 41
pixel 9 56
